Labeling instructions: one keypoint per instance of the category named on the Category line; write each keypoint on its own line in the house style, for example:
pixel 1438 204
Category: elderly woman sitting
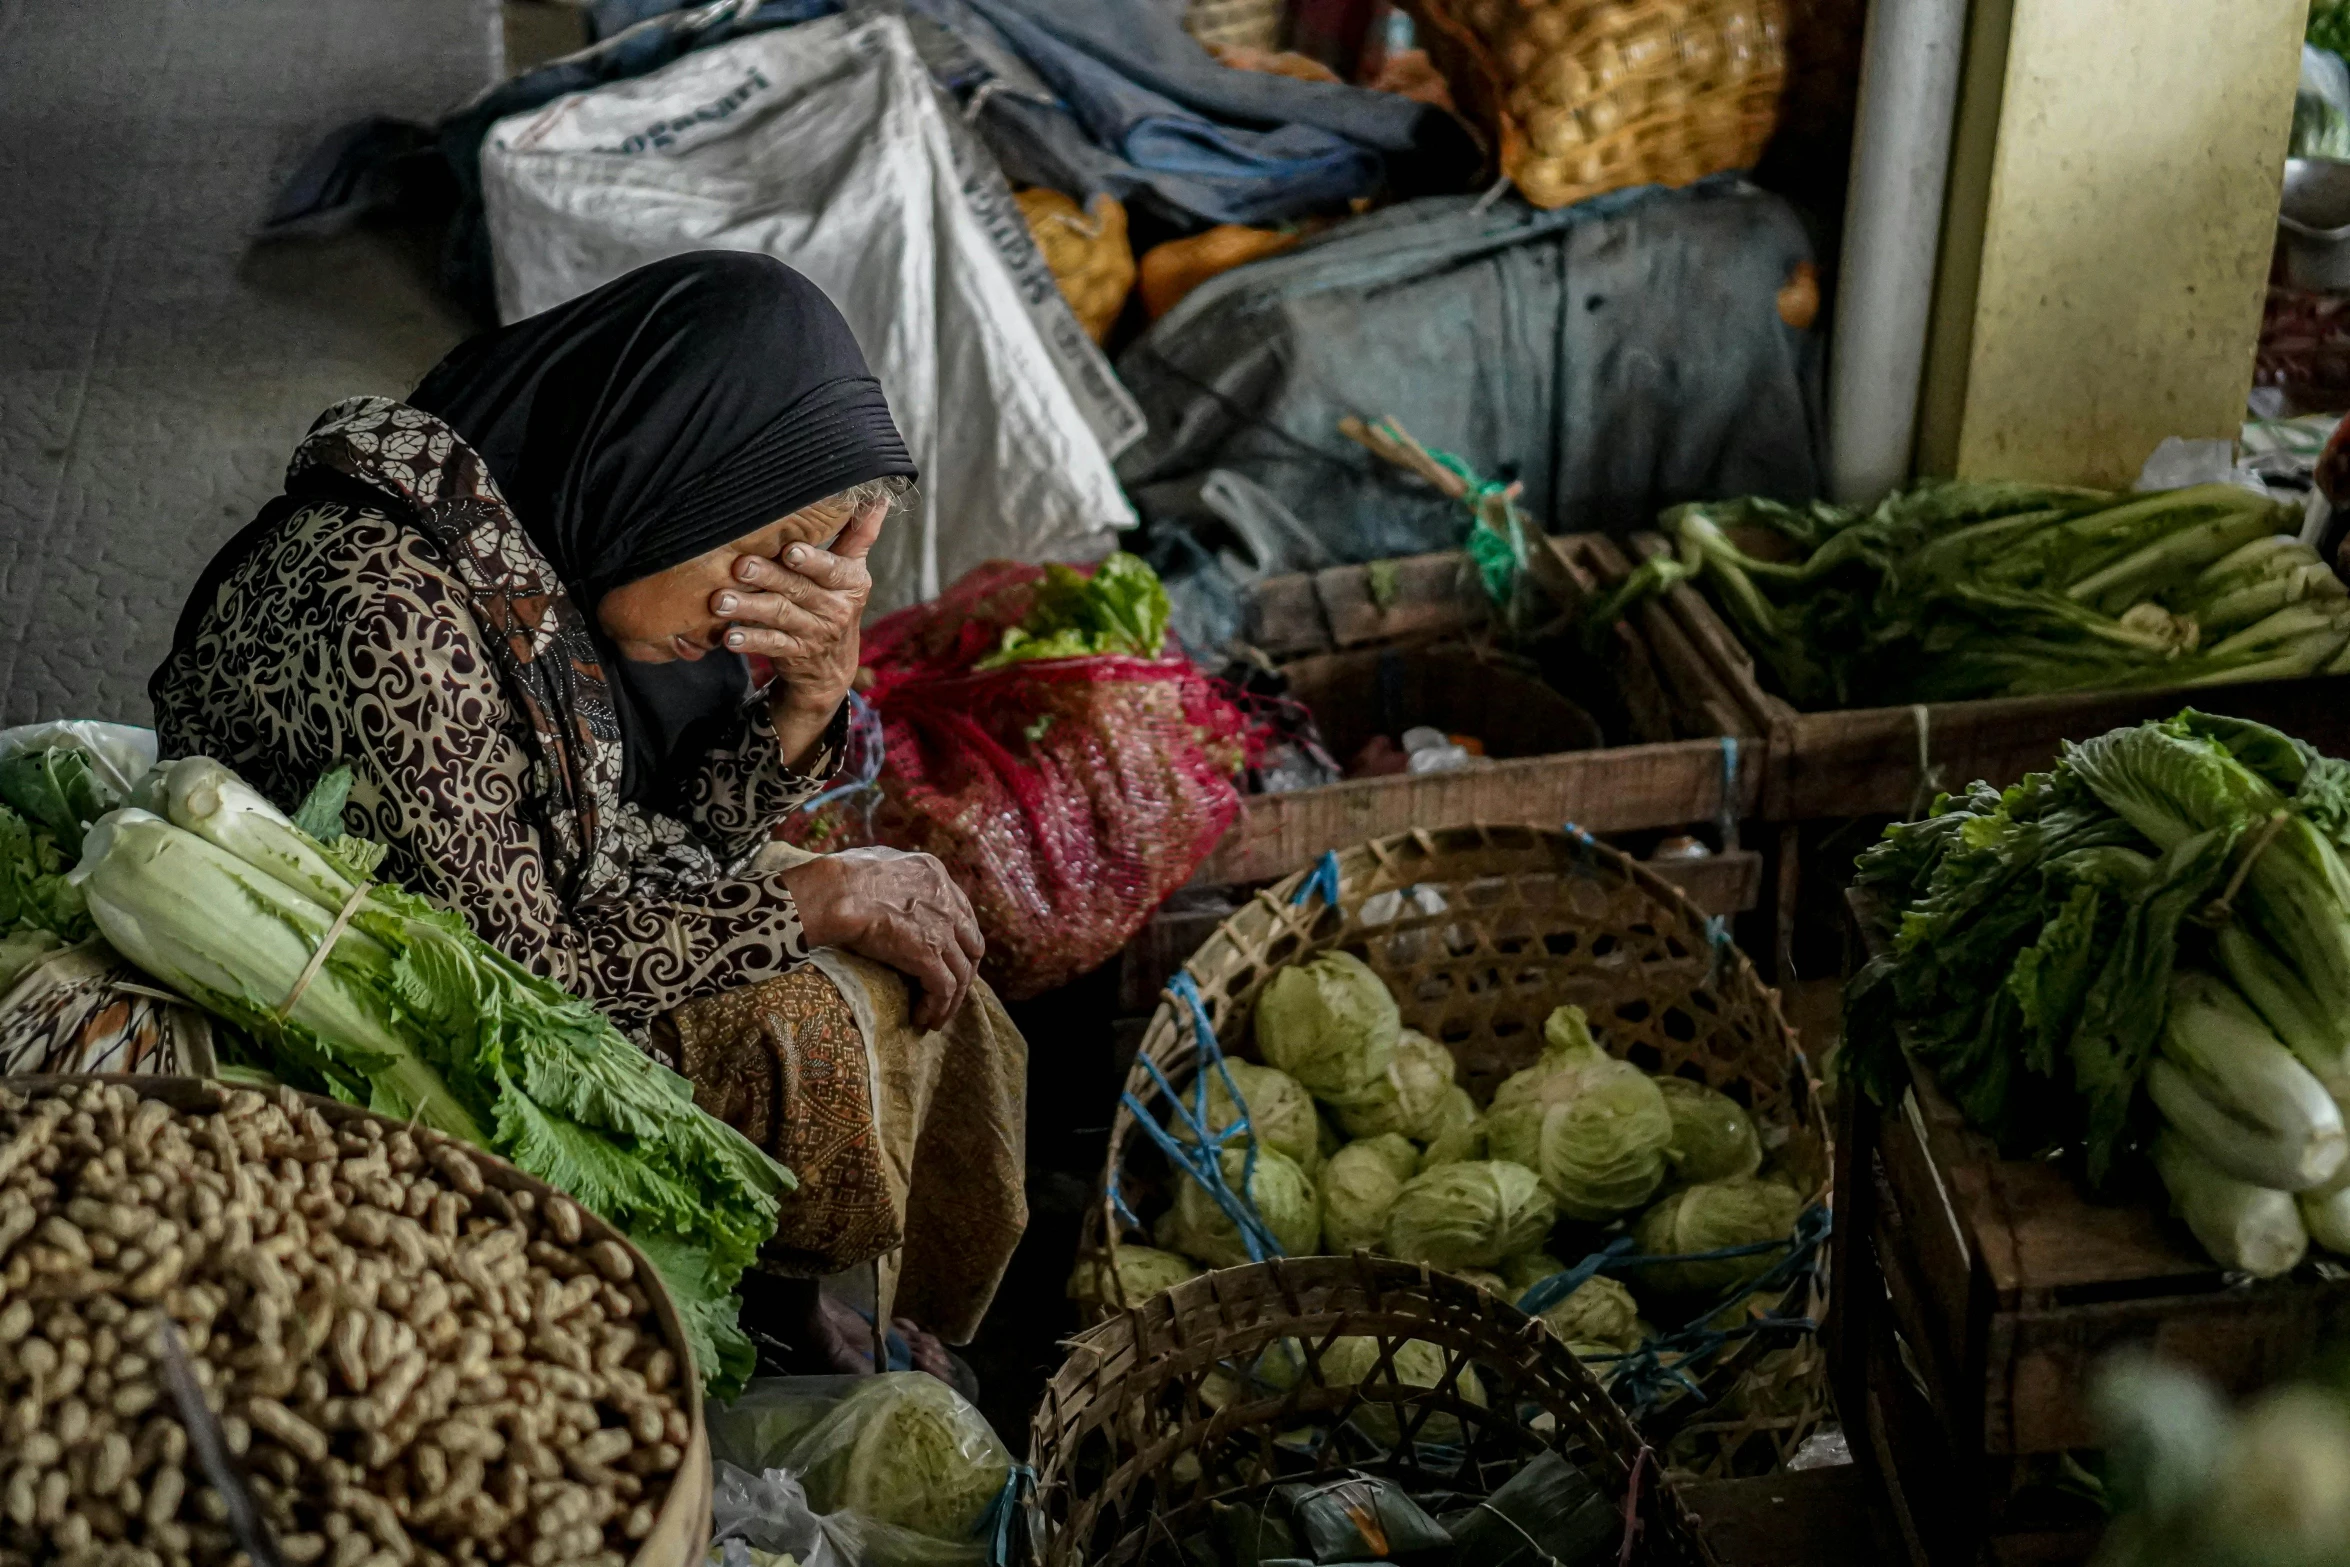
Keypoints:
pixel 582 615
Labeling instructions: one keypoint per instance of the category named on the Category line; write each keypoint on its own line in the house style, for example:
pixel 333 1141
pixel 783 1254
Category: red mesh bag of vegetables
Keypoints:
pixel 1027 728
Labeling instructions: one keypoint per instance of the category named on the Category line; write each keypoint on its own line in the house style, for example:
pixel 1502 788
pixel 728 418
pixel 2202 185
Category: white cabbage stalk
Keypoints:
pixel 2246 1228
pixel 2288 1006
pixel 221 808
pixel 223 933
pixel 2226 1084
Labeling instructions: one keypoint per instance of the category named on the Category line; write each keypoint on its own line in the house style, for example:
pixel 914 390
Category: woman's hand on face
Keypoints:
pixel 898 909
pixel 802 613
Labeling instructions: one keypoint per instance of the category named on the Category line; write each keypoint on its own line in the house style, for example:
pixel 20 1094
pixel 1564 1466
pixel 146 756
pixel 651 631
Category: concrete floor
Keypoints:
pixel 156 367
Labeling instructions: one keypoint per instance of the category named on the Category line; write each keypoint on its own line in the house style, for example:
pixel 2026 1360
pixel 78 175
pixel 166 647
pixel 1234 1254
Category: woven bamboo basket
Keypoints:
pixel 1239 24
pixel 1129 1452
pixel 680 1535
pixel 1535 918
pixel 1580 97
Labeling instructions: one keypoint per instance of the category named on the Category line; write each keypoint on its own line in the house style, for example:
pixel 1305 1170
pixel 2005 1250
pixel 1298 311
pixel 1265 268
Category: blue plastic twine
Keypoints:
pixel 862 769
pixel 997 1525
pixel 1201 1157
pixel 1324 880
pixel 1641 1378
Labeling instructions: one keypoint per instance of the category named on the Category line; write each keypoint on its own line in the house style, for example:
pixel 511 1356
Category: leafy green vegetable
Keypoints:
pixel 54 790
pixel 905 1449
pixel 1958 590
pixel 2229 1088
pixel 1390 1381
pixel 1280 1112
pixel 2246 1228
pixel 1359 1188
pixel 412 1015
pixel 34 892
pixel 321 812
pixel 1469 1215
pixel 1331 1024
pixel 1407 1098
pixel 1139 1273
pixel 1119 609
pixel 1272 1182
pixel 1713 1138
pixel 2329 25
pixel 2058 944
pixel 1744 1210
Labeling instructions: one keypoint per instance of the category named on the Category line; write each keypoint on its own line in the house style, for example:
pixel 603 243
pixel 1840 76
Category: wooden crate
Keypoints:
pixel 1874 760
pixel 1677 705
pixel 1974 1297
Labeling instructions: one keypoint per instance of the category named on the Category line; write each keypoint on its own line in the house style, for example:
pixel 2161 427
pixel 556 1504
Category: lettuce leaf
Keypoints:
pixel 1119 609
pixel 34 894
pixel 54 790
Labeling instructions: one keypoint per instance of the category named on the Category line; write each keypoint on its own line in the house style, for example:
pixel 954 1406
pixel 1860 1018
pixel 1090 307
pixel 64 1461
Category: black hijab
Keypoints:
pixel 688 403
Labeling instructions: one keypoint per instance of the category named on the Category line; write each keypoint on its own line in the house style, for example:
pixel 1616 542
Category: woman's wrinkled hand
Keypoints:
pixel 802 613
pixel 898 909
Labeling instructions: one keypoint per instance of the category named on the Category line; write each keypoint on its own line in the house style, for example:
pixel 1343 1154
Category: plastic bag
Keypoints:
pixel 120 755
pixel 894 1470
pixel 1068 797
pixel 767 1513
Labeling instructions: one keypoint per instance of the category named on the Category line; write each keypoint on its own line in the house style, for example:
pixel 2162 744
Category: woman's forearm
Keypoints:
pixel 799 733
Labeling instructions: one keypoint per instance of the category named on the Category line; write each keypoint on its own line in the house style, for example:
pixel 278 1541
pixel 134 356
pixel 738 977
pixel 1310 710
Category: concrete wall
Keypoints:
pixel 2106 246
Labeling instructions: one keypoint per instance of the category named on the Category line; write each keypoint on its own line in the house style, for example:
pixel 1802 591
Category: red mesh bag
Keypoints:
pixel 1068 796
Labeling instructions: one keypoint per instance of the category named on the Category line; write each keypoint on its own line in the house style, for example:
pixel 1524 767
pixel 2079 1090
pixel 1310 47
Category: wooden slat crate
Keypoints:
pixel 1974 1297
pixel 1677 706
pixel 1875 760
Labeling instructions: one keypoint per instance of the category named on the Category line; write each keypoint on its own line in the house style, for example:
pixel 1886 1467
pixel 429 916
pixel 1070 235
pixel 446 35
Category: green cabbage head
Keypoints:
pixel 1744 1210
pixel 904 1448
pixel 1456 1132
pixel 1349 1362
pixel 1529 1268
pixel 1140 1271
pixel 1600 1318
pixel 1280 1111
pixel 1275 1370
pixel 1407 1097
pixel 1285 1199
pixel 1469 1215
pixel 1485 1279
pixel 1330 1024
pixel 1359 1187
pixel 1595 1127
pixel 1713 1138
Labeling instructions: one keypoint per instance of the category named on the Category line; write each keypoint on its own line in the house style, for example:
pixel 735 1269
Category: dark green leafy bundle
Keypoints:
pixel 2329 26
pixel 2039 926
pixel 1957 590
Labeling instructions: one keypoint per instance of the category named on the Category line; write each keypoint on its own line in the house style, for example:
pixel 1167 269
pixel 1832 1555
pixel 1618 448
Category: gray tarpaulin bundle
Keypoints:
pixel 1616 357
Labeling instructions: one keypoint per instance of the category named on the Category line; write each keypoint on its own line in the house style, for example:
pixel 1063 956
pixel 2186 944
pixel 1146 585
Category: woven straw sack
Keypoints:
pixel 1129 1451
pixel 1580 97
pixel 1534 918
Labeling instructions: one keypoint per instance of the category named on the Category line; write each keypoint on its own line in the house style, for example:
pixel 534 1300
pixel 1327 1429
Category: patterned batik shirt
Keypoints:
pixel 427 643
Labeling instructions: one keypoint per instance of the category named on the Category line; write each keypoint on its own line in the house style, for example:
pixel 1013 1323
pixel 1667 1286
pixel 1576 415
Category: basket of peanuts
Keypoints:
pixel 1581 97
pixel 418 1355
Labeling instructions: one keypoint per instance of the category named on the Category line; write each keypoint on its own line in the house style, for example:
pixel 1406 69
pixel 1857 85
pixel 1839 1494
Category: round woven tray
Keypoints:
pixel 1129 1455
pixel 681 1528
pixel 1535 918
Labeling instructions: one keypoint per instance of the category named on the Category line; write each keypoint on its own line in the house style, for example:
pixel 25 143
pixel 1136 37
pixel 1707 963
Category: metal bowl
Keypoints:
pixel 2314 214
